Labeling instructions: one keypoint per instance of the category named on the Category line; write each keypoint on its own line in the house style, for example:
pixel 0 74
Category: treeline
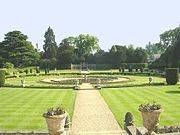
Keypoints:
pixel 16 50
pixel 170 50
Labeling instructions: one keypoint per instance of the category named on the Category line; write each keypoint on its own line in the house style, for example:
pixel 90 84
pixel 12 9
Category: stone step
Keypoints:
pixel 116 132
pixel 86 86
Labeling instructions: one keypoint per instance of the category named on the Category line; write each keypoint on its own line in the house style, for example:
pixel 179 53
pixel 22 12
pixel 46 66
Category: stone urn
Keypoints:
pixel 55 123
pixel 151 120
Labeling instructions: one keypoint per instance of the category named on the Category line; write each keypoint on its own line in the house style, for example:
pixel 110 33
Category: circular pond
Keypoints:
pixel 70 80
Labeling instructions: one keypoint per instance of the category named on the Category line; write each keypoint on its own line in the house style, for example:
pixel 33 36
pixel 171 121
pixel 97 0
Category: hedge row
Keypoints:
pixel 2 77
pixel 134 65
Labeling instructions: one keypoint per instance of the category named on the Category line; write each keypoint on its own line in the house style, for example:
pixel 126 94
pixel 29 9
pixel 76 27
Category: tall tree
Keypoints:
pixel 130 54
pixel 66 54
pixel 16 49
pixel 117 55
pixel 168 38
pixel 50 46
pixel 140 55
pixel 176 52
pixel 170 43
pixel 86 45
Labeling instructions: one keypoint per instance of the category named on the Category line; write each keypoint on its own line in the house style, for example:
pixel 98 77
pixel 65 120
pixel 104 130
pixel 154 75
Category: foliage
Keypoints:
pixel 47 63
pixel 9 65
pixel 26 71
pixel 31 70
pixel 117 55
pixel 172 76
pixel 170 45
pixel 134 65
pixel 140 55
pixel 149 107
pixel 17 50
pixel 65 53
pixel 2 77
pixel 50 46
pixel 54 111
pixel 152 49
pixel 168 38
pixel 86 45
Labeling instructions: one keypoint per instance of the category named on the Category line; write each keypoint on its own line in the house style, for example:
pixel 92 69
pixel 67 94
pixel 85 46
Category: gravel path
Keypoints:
pixel 92 115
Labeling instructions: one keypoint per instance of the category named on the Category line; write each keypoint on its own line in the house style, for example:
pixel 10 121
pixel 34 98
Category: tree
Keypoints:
pixel 100 57
pixel 86 45
pixel 176 52
pixel 168 38
pixel 170 42
pixel 117 55
pixel 50 46
pixel 140 55
pixel 130 54
pixel 66 54
pixel 17 50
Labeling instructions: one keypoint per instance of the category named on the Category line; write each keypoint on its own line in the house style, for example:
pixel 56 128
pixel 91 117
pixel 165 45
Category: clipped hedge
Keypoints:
pixel 134 65
pixel 2 77
pixel 104 66
pixel 172 76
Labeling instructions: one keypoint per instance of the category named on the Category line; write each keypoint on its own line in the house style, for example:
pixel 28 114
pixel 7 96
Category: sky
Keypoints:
pixel 114 22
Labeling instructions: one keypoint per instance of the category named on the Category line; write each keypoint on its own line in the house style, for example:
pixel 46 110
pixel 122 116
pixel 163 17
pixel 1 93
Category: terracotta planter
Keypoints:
pixel 151 119
pixel 56 124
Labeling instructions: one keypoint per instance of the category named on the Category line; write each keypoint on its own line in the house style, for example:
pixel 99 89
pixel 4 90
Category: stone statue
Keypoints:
pixel 129 120
pixel 150 80
pixel 22 82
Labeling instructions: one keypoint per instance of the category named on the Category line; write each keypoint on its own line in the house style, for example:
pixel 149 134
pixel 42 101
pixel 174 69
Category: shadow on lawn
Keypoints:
pixel 173 92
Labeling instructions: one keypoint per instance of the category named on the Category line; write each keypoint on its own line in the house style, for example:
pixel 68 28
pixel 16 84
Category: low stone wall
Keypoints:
pixel 24 133
pixel 168 129
pixel 66 132
pixel 162 130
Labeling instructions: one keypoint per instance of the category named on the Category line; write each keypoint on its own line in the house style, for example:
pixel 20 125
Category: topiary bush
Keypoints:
pixel 31 70
pixel 2 77
pixel 26 71
pixel 172 76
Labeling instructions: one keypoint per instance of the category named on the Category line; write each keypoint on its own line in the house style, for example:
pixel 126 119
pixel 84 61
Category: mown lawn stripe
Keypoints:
pixel 22 108
pixel 122 100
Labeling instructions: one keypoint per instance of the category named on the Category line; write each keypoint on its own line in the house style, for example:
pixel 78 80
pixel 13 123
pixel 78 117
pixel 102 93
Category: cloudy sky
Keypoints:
pixel 120 22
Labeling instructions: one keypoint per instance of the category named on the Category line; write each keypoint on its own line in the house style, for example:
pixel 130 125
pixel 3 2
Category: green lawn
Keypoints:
pixel 35 81
pixel 122 100
pixel 22 108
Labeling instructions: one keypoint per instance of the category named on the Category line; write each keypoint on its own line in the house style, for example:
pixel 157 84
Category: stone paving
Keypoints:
pixel 92 115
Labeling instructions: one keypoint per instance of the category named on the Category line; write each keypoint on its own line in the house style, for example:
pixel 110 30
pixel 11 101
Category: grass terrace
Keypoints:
pixel 122 100
pixel 22 108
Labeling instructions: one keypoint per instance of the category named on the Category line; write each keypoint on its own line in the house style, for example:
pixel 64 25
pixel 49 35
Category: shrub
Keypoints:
pixel 123 69
pixel 2 77
pixel 37 70
pixel 172 76
pixel 120 69
pixel 130 69
pixel 31 70
pixel 46 71
pixel 54 111
pixel 149 107
pixel 141 69
pixel 134 65
pixel 26 71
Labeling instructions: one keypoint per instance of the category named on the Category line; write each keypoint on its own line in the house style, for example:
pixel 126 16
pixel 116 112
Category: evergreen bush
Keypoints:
pixel 26 71
pixel 31 70
pixel 2 77
pixel 172 76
